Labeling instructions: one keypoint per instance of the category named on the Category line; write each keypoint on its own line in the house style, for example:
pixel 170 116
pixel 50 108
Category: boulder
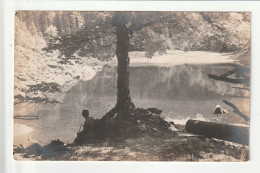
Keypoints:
pixel 219 110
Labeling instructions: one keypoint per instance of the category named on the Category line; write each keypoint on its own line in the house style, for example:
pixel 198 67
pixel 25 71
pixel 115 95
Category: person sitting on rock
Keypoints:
pixel 89 121
pixel 85 114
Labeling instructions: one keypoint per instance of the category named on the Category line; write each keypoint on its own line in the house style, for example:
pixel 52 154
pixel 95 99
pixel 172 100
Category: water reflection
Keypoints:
pixel 183 82
pixel 182 92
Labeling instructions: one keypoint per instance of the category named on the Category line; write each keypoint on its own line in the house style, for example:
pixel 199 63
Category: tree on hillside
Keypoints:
pixel 108 34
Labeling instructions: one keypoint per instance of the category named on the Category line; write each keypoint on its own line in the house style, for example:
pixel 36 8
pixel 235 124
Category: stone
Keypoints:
pixel 219 110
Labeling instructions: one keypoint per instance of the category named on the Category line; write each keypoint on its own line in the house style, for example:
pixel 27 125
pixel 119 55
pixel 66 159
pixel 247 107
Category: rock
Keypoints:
pixel 155 111
pixel 34 149
pixel 172 123
pixel 57 143
pixel 219 110
pixel 173 126
pixel 56 149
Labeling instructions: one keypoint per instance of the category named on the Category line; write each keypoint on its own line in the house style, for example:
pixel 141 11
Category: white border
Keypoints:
pixel 8 164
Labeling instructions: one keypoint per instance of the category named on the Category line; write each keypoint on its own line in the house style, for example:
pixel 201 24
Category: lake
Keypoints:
pixel 181 91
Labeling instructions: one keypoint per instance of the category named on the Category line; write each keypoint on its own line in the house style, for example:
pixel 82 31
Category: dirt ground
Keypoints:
pixel 135 135
pixel 183 147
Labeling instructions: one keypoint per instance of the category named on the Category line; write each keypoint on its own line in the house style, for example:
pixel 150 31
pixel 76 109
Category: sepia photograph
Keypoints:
pixel 131 86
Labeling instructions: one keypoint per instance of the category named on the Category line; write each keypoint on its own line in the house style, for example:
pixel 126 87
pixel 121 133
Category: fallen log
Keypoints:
pixel 232 133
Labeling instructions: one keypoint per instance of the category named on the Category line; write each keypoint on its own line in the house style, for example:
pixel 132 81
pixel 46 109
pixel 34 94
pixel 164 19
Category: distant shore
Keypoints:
pixel 179 57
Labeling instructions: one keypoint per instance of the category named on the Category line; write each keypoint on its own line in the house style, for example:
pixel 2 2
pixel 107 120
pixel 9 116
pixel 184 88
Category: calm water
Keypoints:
pixel 182 92
pixel 161 87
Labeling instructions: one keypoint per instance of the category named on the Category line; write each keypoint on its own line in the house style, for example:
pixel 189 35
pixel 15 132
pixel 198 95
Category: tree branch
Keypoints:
pixel 136 27
pixel 240 72
pixel 236 110
pixel 208 19
pixel 228 73
pixel 230 80
pixel 108 45
pixel 241 88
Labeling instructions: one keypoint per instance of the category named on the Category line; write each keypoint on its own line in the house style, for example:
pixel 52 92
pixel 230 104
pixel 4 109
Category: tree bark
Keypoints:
pixel 124 100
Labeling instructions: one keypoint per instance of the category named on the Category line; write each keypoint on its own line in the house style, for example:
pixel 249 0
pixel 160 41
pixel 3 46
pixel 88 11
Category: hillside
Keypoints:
pixel 41 77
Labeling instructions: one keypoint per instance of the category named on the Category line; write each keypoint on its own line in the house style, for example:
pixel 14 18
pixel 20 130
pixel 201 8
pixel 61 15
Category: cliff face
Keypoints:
pixel 40 77
pixel 39 21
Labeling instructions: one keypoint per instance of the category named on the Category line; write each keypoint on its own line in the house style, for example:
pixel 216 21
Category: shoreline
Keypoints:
pixel 177 57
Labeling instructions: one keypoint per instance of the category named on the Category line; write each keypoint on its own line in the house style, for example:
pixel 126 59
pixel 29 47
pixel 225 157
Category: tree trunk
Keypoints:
pixel 124 100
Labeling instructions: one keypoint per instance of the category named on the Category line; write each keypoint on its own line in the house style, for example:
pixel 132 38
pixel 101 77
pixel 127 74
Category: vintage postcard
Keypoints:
pixel 131 86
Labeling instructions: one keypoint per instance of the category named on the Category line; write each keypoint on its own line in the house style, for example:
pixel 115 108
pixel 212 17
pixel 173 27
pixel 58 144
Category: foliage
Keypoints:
pixel 157 32
pixel 96 39
pixel 45 87
pixel 42 90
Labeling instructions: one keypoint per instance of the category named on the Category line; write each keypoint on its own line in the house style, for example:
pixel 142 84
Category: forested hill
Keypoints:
pixel 208 31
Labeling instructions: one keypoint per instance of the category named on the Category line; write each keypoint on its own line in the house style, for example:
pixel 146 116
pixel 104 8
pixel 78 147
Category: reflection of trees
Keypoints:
pixel 183 81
